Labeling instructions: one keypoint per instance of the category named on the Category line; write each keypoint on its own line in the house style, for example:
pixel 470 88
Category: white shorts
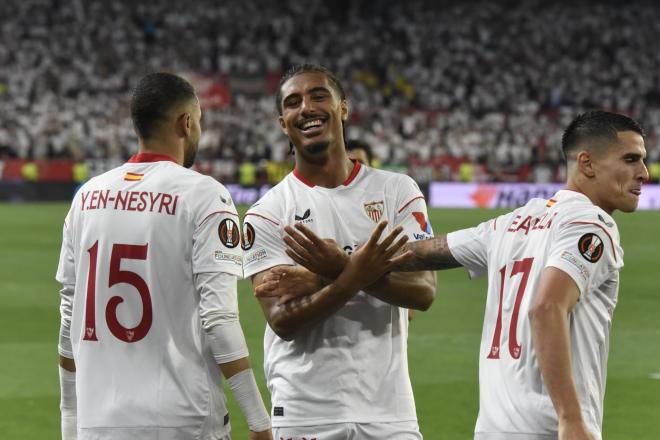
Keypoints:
pixel 351 431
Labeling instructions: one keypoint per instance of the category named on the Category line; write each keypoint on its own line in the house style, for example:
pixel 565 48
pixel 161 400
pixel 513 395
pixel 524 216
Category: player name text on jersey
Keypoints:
pixel 531 223
pixel 129 201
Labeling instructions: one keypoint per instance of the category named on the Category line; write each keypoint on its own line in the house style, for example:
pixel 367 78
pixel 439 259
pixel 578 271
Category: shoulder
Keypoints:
pixel 274 200
pixel 585 213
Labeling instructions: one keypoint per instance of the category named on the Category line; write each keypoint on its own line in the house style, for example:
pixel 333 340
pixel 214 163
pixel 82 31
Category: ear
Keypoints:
pixel 585 163
pixel 184 124
pixel 283 126
pixel 344 110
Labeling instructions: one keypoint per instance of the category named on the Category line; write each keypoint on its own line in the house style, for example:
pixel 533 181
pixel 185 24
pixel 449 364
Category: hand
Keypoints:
pixel 373 260
pixel 262 435
pixel 287 283
pixel 574 430
pixel 321 256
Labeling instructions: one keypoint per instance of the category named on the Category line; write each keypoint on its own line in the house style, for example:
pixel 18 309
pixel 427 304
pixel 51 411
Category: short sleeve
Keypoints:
pixel 263 246
pixel 588 252
pixel 411 213
pixel 217 236
pixel 66 268
pixel 470 247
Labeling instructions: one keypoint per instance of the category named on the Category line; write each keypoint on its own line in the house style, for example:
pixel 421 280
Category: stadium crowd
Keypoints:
pixel 452 90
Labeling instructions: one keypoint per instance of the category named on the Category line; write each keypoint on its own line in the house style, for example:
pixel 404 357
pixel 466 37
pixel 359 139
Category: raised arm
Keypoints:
pixel 556 297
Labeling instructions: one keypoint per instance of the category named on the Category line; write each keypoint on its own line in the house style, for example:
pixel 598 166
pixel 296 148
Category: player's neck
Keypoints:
pixel 330 173
pixel 157 146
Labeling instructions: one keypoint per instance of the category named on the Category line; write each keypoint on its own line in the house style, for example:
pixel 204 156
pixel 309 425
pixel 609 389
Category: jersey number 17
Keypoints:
pixel 524 267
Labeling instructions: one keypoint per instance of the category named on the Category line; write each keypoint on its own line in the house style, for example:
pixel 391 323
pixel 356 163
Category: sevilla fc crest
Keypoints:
pixel 374 210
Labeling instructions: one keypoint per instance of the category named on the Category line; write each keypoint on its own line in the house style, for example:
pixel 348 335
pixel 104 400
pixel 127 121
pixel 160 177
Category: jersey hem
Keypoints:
pixel 327 421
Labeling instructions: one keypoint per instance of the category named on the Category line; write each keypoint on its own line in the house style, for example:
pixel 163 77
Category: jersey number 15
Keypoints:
pixel 117 276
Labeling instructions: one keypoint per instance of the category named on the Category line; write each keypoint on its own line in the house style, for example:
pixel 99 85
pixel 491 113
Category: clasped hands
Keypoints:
pixel 322 261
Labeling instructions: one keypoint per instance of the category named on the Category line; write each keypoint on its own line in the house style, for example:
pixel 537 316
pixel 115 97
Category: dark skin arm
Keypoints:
pixel 362 268
pixel 325 259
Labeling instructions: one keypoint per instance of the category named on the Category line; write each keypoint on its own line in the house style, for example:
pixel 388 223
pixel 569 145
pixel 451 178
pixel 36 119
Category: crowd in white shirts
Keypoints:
pixel 489 83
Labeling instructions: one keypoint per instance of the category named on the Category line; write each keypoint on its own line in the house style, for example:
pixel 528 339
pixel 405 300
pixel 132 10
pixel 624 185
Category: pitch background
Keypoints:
pixel 443 346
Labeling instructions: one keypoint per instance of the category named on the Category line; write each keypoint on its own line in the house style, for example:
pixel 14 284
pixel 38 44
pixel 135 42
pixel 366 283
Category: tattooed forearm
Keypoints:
pixel 430 254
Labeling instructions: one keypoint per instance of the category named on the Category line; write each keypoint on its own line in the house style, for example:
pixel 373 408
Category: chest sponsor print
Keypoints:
pixel 591 247
pixel 228 233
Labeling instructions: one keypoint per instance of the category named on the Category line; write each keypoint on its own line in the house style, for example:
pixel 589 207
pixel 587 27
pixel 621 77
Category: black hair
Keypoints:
pixel 153 97
pixel 596 125
pixel 355 144
pixel 298 69
pixel 306 68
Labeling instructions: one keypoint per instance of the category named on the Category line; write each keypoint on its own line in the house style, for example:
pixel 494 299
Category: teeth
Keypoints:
pixel 313 123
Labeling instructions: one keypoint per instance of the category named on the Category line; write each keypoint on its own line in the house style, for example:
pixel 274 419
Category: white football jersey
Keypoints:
pixel 567 232
pixel 133 239
pixel 353 367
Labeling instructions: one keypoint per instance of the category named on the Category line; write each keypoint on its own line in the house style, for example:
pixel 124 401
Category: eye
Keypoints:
pixel 291 102
pixel 319 96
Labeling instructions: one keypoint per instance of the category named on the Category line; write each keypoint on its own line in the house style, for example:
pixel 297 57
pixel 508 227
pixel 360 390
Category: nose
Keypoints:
pixel 644 173
pixel 307 105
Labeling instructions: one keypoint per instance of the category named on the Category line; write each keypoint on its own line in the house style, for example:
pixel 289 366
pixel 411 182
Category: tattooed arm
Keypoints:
pixel 432 254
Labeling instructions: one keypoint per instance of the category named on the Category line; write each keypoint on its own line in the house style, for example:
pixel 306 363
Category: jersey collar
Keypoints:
pixel 150 157
pixel 356 169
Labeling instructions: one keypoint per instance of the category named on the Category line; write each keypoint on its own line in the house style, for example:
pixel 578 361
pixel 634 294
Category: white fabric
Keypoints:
pixel 353 366
pixel 66 308
pixel 408 430
pixel 513 397
pixel 68 404
pixel 219 314
pixel 163 383
pixel 244 388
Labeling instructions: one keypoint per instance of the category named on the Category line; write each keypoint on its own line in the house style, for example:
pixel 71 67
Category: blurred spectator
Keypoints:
pixel 431 85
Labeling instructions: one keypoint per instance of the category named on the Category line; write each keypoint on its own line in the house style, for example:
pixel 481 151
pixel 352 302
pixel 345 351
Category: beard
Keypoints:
pixel 189 156
pixel 317 148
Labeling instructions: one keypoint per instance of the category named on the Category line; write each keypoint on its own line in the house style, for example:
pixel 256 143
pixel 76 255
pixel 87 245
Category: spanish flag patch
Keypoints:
pixel 133 177
pixel 550 203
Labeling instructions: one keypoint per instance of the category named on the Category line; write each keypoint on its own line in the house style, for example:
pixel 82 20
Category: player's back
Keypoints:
pixel 143 366
pixel 521 245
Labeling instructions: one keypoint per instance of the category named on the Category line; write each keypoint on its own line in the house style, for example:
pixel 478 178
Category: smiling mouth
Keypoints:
pixel 311 125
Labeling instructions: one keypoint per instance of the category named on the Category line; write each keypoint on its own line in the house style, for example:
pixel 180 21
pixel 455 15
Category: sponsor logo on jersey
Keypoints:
pixel 550 203
pixel 374 210
pixel 254 256
pixel 304 218
pixel 591 247
pixel 575 262
pixel 228 232
pixel 224 256
pixel 424 225
pixel 132 177
pixel 421 236
pixel 248 236
pixel 602 219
